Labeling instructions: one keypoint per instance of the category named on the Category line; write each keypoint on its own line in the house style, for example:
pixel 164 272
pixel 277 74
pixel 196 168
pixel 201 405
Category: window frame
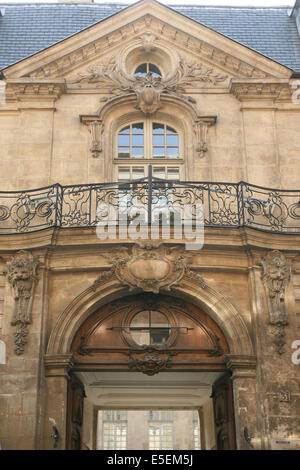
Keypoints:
pixel 148 141
pixel 128 317
pixel 148 159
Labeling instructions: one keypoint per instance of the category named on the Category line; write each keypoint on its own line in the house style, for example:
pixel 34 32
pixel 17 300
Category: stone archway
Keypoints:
pixel 241 360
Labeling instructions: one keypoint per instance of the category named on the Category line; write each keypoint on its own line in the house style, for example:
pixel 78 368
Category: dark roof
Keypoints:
pixel 28 28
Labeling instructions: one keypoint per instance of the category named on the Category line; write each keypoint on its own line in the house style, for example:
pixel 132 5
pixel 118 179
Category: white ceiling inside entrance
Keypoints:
pixel 136 390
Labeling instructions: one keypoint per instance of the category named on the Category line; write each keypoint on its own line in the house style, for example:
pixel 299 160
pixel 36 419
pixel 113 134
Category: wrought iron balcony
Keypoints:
pixel 226 205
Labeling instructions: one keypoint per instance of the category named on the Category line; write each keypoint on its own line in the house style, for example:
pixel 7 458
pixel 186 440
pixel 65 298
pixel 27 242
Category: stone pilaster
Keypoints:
pixel 243 369
pixel 57 375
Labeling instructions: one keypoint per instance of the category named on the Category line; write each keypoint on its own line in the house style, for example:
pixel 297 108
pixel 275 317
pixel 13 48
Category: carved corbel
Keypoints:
pixel 276 276
pixel 21 274
pixel 201 127
pixel 95 127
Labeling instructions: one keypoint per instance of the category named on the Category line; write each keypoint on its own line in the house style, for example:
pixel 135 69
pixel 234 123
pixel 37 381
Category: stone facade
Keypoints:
pixel 236 122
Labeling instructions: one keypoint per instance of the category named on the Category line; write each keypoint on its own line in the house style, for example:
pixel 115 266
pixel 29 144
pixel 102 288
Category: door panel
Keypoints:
pixel 76 396
pixel 224 413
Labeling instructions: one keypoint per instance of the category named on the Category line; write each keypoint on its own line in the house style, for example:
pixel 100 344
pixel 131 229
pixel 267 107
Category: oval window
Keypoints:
pixel 150 327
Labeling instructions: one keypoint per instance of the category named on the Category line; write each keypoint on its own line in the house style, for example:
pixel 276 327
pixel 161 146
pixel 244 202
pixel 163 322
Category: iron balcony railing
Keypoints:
pixel 224 204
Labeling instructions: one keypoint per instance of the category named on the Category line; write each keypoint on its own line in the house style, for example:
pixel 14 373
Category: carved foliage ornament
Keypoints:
pixel 276 276
pixel 148 89
pixel 21 274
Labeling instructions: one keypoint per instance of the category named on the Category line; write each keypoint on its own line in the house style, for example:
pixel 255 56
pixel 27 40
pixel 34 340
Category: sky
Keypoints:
pixel 256 3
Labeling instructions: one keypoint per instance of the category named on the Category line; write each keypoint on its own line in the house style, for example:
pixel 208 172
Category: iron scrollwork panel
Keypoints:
pixel 224 205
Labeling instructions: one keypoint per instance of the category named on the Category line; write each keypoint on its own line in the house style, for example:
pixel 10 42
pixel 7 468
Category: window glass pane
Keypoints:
pixel 159 172
pixel 159 336
pixel 123 140
pixel 172 152
pixel 123 152
pixel 138 128
pixel 137 152
pixel 154 70
pixel 171 130
pixel 158 128
pixel 138 172
pixel 140 336
pixel 125 130
pixel 172 140
pixel 158 319
pixel 137 139
pixel 158 152
pixel 173 173
pixel 141 319
pixel 123 174
pixel 141 69
pixel 158 140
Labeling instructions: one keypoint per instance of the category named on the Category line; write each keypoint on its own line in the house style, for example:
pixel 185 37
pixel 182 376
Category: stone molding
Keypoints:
pixel 270 89
pixel 58 365
pixel 241 366
pixel 26 89
pixel 148 26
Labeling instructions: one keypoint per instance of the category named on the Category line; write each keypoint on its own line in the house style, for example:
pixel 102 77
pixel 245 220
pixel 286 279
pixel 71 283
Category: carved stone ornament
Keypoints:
pixel 276 276
pixel 150 361
pixel 151 266
pixel 96 130
pixel 272 90
pixel 21 274
pixel 141 28
pixel 148 89
pixel 201 128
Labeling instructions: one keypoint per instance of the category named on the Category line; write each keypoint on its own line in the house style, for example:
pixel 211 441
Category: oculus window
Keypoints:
pixel 150 327
pixel 147 69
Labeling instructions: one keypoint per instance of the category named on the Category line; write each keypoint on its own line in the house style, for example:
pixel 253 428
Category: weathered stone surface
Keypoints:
pixel 256 138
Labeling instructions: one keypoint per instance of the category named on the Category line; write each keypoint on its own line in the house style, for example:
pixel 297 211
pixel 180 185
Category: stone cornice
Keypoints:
pixel 58 365
pixel 241 366
pixel 28 89
pixel 268 89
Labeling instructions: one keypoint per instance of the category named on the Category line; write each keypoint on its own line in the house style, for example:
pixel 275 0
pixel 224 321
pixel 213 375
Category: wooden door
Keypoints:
pixel 222 395
pixel 76 396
